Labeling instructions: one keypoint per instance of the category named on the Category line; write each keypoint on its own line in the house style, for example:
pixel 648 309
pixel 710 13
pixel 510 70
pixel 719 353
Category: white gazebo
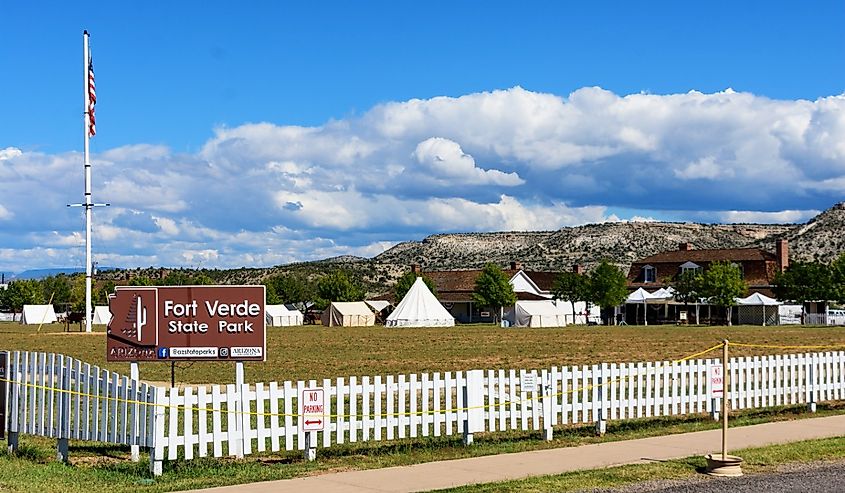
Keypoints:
pixel 640 297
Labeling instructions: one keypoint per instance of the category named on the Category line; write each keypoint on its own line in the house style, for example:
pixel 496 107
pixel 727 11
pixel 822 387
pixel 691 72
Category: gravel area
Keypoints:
pixel 816 477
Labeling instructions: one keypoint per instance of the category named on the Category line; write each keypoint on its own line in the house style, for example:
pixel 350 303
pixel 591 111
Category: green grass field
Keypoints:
pixel 320 352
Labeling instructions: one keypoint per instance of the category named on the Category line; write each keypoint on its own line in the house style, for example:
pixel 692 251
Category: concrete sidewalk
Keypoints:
pixel 459 472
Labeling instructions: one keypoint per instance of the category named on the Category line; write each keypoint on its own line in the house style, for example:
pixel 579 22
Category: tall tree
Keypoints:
pixel 407 280
pixel 837 274
pixel 806 281
pixel 289 288
pixel 337 286
pixel 20 293
pixel 493 289
pixel 57 288
pixel 571 287
pixel 688 289
pixel 722 283
pixel 607 286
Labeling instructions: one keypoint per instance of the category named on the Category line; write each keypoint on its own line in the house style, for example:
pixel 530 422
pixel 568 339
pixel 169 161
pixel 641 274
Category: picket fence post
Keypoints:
pixel 473 393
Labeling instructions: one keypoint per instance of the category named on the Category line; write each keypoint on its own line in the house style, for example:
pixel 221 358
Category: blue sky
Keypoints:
pixel 329 110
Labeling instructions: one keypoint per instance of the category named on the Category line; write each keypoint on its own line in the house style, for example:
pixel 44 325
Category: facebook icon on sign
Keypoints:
pixel 162 353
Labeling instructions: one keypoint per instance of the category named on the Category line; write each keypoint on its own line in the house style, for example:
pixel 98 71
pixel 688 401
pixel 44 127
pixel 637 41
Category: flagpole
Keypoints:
pixel 87 204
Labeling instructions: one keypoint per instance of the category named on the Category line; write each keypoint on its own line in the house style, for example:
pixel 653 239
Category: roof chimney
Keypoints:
pixel 415 268
pixel 685 247
pixel 516 265
pixel 578 269
pixel 782 254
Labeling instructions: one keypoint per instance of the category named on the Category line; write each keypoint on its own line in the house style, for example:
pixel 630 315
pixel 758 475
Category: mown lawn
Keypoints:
pixel 104 468
pixel 320 352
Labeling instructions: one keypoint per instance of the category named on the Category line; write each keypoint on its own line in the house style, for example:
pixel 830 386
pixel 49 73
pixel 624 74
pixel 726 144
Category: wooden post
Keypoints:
pixel 726 380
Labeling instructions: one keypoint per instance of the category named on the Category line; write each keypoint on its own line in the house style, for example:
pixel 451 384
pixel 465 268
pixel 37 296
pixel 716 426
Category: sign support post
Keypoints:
pixel 135 450
pixel 4 392
pixel 725 400
pixel 239 409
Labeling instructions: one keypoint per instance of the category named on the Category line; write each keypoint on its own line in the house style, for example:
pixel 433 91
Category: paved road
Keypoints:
pixel 816 479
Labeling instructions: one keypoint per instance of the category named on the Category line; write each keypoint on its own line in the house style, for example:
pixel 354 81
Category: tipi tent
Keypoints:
pixel 348 314
pixel 38 314
pixel 282 316
pixel 102 315
pixel 538 313
pixel 419 308
pixel 757 308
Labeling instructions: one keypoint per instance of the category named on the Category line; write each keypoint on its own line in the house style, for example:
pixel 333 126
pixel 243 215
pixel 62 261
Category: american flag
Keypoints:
pixel 92 99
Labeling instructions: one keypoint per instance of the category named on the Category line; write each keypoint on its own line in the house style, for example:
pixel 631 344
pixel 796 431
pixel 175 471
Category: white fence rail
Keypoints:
pixel 264 417
pixel 58 396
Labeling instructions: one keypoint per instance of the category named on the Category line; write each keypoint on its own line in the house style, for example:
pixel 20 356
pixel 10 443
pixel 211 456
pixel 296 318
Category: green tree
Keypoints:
pixel 571 287
pixel 141 281
pixel 688 289
pixel 607 286
pixel 722 283
pixel 22 292
pixel 806 281
pixel 289 288
pixel 101 294
pixel 837 274
pixel 407 280
pixel 338 286
pixel 493 289
pixel 57 288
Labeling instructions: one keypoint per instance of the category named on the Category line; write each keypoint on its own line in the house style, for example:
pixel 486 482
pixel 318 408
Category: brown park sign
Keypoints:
pixel 180 323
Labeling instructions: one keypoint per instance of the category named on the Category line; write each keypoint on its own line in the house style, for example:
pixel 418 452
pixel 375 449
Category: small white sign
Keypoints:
pixel 528 382
pixel 312 410
pixel 717 380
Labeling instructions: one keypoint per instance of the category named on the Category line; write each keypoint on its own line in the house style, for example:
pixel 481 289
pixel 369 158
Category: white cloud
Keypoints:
pixel 777 217
pixel 513 159
pixel 445 159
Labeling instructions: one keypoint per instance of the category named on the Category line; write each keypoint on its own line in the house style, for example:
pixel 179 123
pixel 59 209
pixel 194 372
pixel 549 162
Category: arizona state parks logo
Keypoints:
pixel 134 316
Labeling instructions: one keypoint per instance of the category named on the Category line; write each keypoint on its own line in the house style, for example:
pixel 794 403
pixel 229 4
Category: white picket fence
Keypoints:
pixel 61 397
pixel 58 396
pixel 263 417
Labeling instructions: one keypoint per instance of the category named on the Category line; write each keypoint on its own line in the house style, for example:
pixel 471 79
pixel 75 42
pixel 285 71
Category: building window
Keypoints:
pixel 649 274
pixel 690 267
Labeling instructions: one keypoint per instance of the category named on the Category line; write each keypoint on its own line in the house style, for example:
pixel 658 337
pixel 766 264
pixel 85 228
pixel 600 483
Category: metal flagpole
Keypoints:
pixel 88 204
pixel 85 117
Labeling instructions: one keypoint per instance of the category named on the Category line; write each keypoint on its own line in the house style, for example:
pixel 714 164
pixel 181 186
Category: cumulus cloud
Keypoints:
pixel 514 159
pixel 444 159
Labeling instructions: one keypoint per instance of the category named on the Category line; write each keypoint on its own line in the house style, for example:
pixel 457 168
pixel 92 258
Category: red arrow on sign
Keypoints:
pixel 309 422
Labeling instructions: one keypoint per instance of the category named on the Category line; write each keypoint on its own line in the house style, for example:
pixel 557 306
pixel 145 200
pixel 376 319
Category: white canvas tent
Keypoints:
pixel 282 316
pixel 538 313
pixel 419 308
pixel 102 315
pixel 756 308
pixel 377 305
pixel 38 314
pixel 348 314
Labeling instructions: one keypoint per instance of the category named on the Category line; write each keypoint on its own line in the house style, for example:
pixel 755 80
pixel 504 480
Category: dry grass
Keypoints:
pixel 319 352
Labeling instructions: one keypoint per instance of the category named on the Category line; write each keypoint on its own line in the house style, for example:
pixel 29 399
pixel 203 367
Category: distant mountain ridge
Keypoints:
pixel 822 239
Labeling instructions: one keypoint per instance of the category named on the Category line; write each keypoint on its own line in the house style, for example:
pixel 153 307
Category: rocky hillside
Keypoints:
pixel 621 243
pixel 822 238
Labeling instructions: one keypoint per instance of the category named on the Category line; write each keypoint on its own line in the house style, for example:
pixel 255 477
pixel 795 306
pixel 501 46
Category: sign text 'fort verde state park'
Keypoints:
pixel 199 323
